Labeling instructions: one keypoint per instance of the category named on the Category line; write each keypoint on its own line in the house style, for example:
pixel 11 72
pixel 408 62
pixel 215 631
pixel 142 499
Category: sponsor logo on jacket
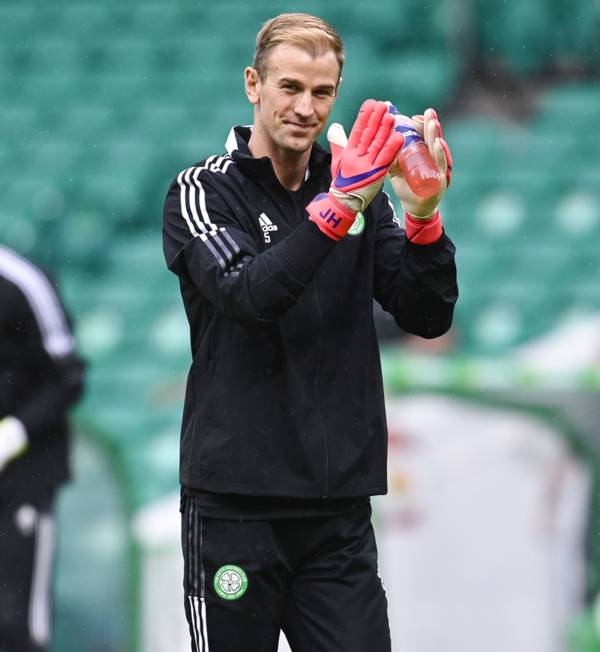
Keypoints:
pixel 266 226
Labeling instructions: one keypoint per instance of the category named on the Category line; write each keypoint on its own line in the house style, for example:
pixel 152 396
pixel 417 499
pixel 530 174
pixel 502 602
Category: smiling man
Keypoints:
pixel 280 248
pixel 293 91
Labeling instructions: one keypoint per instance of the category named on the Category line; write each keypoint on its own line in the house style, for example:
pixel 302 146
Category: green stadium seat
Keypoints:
pixel 412 80
pixel 501 214
pixel 52 54
pixel 43 90
pixel 52 159
pixel 577 35
pixel 123 90
pixel 514 34
pixel 195 52
pixel 475 261
pixel 16 20
pixel 130 53
pixel 141 254
pixel 82 237
pixel 19 231
pixel 245 21
pixel 125 155
pixel 8 164
pixel 461 203
pixel 490 330
pixel 585 293
pixel 100 326
pixel 569 107
pixel 417 25
pixel 111 193
pixel 25 194
pixel 19 120
pixel 168 334
pixel 544 263
pixel 476 144
pixel 86 20
pixel 84 119
pixel 162 117
pixel 155 20
pixel 548 148
pixel 77 287
pixel 577 215
pixel 116 425
pixel 154 467
pixel 503 314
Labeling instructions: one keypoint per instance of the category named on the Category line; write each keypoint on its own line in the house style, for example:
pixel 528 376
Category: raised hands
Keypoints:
pixel 358 168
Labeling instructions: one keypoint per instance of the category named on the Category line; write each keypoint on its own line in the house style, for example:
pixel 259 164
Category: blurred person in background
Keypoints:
pixel 41 376
pixel 280 248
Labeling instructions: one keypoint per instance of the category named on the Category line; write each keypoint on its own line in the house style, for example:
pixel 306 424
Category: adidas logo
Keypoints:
pixel 266 226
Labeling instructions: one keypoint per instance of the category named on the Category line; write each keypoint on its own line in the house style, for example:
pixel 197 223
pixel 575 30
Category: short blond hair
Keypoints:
pixel 307 32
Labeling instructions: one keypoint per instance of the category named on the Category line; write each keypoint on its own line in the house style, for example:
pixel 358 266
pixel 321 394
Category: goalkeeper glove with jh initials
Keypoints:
pixel 358 168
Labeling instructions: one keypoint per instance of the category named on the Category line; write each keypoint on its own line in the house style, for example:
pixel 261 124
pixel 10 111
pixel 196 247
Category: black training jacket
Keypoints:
pixel 284 396
pixel 41 375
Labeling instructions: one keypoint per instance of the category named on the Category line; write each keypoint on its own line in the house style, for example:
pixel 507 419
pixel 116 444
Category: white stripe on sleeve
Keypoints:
pixel 192 199
pixel 41 296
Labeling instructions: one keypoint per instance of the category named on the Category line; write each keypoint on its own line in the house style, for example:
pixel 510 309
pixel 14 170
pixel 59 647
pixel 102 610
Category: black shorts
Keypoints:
pixel 315 578
pixel 26 562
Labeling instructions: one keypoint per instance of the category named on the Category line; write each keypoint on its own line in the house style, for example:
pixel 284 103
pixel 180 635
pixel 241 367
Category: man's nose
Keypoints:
pixel 304 105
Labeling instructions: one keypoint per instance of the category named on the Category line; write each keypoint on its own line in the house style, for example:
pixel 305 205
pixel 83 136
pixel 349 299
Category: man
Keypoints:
pixel 284 436
pixel 41 375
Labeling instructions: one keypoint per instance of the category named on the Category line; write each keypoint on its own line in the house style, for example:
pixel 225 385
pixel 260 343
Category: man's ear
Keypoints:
pixel 252 84
pixel 337 88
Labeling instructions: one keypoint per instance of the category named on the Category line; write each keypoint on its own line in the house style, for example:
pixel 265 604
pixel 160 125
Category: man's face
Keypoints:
pixel 295 98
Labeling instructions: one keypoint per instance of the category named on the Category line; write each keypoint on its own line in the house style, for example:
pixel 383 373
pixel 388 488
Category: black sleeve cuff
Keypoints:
pixel 305 250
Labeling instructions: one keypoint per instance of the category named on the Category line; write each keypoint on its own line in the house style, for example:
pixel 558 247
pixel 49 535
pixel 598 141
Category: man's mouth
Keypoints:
pixel 300 126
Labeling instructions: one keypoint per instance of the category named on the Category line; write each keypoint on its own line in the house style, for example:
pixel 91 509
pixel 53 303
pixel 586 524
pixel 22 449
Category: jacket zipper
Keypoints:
pixel 325 467
pixel 325 486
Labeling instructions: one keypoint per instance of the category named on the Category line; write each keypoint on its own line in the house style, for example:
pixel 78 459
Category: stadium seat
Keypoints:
pixel 502 315
pixel 135 54
pixel 413 80
pixel 514 34
pixel 19 120
pixel 46 91
pixel 87 20
pixel 577 215
pixel 54 54
pixel 84 118
pixel 571 104
pixel 16 20
pixel 577 34
pixel 19 231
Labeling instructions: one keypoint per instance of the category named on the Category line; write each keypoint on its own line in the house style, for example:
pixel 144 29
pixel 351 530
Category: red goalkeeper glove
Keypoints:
pixel 422 218
pixel 357 170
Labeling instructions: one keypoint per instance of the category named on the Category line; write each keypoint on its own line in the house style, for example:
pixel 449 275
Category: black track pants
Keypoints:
pixel 26 562
pixel 314 578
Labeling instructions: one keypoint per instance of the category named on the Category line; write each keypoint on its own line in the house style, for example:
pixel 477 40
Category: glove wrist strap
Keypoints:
pixel 422 231
pixel 333 218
